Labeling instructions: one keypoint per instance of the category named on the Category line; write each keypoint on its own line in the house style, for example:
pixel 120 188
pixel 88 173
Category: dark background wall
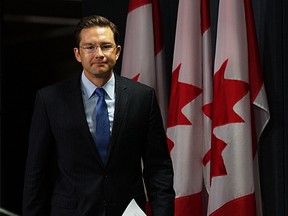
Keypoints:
pixel 37 50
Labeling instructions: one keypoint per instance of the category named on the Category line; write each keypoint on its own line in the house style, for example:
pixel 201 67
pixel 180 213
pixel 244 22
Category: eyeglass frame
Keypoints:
pixel 92 48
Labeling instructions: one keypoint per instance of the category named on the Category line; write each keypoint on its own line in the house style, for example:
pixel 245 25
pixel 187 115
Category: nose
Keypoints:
pixel 98 52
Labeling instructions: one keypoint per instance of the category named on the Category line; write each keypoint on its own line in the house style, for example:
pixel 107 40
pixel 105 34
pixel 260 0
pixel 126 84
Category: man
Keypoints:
pixel 69 170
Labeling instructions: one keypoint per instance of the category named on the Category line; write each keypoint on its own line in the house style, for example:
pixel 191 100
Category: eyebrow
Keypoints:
pixel 103 43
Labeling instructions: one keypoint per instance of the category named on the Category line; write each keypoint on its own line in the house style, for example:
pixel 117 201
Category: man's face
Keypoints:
pixel 97 52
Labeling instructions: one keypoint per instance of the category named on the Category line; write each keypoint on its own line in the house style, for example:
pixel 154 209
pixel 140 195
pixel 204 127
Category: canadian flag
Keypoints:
pixel 239 113
pixel 191 88
pixel 143 54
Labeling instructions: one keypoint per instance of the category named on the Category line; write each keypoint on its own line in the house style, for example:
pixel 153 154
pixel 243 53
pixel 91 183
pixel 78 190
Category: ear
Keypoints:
pixel 77 54
pixel 118 51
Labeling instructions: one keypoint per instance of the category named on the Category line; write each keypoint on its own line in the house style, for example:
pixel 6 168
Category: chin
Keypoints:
pixel 102 73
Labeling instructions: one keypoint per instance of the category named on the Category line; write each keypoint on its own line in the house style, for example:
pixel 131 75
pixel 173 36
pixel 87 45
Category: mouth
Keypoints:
pixel 99 63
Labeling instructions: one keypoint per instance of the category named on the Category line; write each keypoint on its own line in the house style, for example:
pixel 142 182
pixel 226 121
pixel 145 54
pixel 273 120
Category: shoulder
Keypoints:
pixel 62 86
pixel 59 92
pixel 132 84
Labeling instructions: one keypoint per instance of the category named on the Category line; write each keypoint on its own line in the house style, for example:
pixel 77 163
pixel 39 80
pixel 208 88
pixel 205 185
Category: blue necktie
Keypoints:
pixel 102 125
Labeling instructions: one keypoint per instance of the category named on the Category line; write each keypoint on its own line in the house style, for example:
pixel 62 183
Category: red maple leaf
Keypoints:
pixel 217 166
pixel 181 94
pixel 170 144
pixel 227 93
pixel 136 77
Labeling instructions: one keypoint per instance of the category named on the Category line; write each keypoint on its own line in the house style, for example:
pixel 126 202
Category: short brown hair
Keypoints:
pixel 91 21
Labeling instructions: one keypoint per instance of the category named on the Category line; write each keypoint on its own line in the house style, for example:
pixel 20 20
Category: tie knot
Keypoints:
pixel 100 92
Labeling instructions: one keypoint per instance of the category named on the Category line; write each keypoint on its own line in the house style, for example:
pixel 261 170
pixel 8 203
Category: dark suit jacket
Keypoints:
pixel 64 172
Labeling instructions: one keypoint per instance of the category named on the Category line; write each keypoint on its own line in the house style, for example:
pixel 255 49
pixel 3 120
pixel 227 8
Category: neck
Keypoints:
pixel 99 80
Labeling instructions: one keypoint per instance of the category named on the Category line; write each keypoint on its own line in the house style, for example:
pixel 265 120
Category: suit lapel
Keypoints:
pixel 75 103
pixel 121 102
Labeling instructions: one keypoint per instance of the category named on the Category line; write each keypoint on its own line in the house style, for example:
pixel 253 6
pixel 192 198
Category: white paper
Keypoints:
pixel 133 210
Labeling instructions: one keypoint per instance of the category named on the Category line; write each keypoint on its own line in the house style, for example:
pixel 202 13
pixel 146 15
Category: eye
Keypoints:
pixel 89 47
pixel 106 47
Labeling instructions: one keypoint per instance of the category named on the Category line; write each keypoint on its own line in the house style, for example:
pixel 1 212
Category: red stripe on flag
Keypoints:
pixel 148 209
pixel 137 3
pixel 158 43
pixel 189 205
pixel 255 76
pixel 205 16
pixel 238 207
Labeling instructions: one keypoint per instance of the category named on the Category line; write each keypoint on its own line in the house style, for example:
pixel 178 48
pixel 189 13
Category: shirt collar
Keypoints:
pixel 89 87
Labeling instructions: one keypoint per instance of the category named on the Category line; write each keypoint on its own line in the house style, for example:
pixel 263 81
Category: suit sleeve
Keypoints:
pixel 158 170
pixel 37 183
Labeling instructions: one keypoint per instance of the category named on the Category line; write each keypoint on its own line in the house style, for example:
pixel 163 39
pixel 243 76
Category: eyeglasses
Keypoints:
pixel 106 48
